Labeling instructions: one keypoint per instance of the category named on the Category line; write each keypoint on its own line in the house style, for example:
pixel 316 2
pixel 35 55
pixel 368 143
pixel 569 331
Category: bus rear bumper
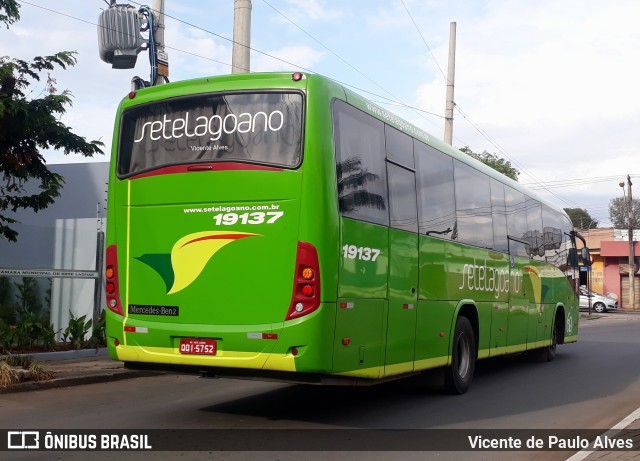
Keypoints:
pixel 300 345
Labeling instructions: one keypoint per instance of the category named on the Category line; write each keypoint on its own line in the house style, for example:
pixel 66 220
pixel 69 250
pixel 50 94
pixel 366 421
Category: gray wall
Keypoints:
pixel 85 186
pixel 63 236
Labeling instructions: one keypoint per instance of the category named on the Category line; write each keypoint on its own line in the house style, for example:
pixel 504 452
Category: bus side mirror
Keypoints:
pixel 585 256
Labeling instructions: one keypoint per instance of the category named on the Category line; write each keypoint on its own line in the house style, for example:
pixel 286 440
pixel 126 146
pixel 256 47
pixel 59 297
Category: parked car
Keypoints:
pixel 599 303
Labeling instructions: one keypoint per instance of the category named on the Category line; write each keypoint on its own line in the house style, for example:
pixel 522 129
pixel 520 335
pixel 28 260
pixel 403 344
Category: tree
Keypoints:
pixel 581 219
pixel 11 11
pixel 619 213
pixel 28 124
pixel 497 163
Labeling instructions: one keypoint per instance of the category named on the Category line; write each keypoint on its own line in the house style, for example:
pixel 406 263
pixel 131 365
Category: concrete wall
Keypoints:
pixel 63 236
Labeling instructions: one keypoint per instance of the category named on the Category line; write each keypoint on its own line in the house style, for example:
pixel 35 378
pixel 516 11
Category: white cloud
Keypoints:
pixel 316 10
pixel 553 83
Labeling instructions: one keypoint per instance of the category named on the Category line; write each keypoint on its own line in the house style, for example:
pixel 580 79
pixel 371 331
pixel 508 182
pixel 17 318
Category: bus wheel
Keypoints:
pixel 552 349
pixel 459 375
pixel 547 354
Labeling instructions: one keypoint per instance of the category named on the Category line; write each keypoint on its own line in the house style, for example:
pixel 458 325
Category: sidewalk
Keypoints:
pixel 89 368
pixel 607 455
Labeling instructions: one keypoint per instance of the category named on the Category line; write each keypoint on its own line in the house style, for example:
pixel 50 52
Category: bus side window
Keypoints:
pixel 436 196
pixel 499 214
pixel 402 198
pixel 360 168
pixel 515 204
pixel 473 206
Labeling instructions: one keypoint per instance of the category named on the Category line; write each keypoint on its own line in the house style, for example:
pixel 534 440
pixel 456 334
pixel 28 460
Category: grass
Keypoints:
pixel 18 360
pixel 38 372
pixel 15 368
pixel 8 374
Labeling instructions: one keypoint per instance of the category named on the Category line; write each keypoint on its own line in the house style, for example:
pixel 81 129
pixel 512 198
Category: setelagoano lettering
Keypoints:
pixel 213 126
pixel 485 278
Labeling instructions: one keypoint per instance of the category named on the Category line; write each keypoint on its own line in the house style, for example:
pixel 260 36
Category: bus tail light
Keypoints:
pixel 306 282
pixel 112 286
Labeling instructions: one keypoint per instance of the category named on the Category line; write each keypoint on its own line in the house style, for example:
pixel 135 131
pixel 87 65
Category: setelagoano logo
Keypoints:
pixel 213 126
pixel 189 256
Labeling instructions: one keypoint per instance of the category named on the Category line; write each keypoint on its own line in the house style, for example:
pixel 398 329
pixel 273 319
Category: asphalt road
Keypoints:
pixel 591 385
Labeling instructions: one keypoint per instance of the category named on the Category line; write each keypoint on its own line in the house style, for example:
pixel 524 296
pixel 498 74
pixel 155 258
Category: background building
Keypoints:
pixel 610 270
pixel 63 236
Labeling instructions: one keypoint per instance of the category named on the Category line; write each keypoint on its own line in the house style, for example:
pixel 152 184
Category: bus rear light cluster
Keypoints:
pixel 112 286
pixel 306 282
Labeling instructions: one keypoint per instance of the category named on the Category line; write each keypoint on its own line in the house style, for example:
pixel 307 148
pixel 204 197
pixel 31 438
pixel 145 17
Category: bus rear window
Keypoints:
pixel 262 128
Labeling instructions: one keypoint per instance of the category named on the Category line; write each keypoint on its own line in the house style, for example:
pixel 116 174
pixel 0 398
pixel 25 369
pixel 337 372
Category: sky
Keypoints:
pixel 550 85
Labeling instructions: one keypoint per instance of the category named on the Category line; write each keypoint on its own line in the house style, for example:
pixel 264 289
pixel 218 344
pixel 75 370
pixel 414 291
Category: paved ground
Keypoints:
pixel 97 367
pixel 76 371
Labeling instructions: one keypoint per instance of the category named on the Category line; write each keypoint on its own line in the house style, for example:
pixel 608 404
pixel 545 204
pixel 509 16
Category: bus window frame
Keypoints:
pixel 123 112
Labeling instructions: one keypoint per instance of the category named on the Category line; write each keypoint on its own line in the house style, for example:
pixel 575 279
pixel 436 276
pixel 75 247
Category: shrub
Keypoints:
pixel 8 374
pixel 77 330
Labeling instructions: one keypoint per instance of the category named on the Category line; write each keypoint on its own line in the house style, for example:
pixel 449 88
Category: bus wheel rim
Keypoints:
pixel 464 355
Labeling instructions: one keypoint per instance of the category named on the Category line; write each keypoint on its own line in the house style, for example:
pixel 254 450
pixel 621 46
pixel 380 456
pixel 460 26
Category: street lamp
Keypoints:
pixel 629 203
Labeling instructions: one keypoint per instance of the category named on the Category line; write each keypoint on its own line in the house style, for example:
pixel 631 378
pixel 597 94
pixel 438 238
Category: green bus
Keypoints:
pixel 280 226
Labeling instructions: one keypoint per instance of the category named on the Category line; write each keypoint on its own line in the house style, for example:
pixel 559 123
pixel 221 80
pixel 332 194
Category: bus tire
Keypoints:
pixel 458 376
pixel 550 352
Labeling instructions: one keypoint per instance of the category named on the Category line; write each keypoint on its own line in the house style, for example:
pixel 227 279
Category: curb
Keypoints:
pixel 76 367
pixel 76 381
pixel 66 355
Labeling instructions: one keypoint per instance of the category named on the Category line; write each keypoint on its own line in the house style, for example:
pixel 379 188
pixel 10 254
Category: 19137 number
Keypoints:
pixel 362 253
pixel 258 217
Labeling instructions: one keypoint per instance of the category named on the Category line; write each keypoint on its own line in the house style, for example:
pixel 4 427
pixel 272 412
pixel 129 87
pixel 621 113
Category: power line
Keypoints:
pixel 400 103
pixel 571 182
pixel 389 101
pixel 97 25
pixel 424 41
pixel 476 127
pixel 396 101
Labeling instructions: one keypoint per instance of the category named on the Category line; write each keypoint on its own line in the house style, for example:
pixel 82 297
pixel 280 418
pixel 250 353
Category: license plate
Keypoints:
pixel 198 346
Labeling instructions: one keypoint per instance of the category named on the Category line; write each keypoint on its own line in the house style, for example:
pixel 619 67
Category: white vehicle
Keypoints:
pixel 599 303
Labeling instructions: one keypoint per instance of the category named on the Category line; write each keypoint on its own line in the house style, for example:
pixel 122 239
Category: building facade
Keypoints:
pixel 609 272
pixel 63 237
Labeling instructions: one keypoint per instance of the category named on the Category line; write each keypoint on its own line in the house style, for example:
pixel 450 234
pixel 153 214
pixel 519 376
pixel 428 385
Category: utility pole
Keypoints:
pixel 632 265
pixel 162 58
pixel 451 74
pixel 241 36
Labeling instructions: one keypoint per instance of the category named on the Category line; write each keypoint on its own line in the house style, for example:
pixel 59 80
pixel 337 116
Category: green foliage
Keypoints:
pixel 32 331
pixel 30 124
pixel 619 213
pixel 77 330
pixel 28 297
pixel 9 11
pixel 25 332
pixel 492 160
pixel 581 219
pixel 47 298
pixel 46 335
pixel 99 334
pixel 7 335
pixel 8 311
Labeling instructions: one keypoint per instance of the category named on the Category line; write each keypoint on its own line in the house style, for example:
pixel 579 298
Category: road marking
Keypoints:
pixel 579 456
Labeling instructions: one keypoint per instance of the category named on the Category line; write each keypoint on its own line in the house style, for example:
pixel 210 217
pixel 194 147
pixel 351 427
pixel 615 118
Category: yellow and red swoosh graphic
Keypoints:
pixel 192 252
